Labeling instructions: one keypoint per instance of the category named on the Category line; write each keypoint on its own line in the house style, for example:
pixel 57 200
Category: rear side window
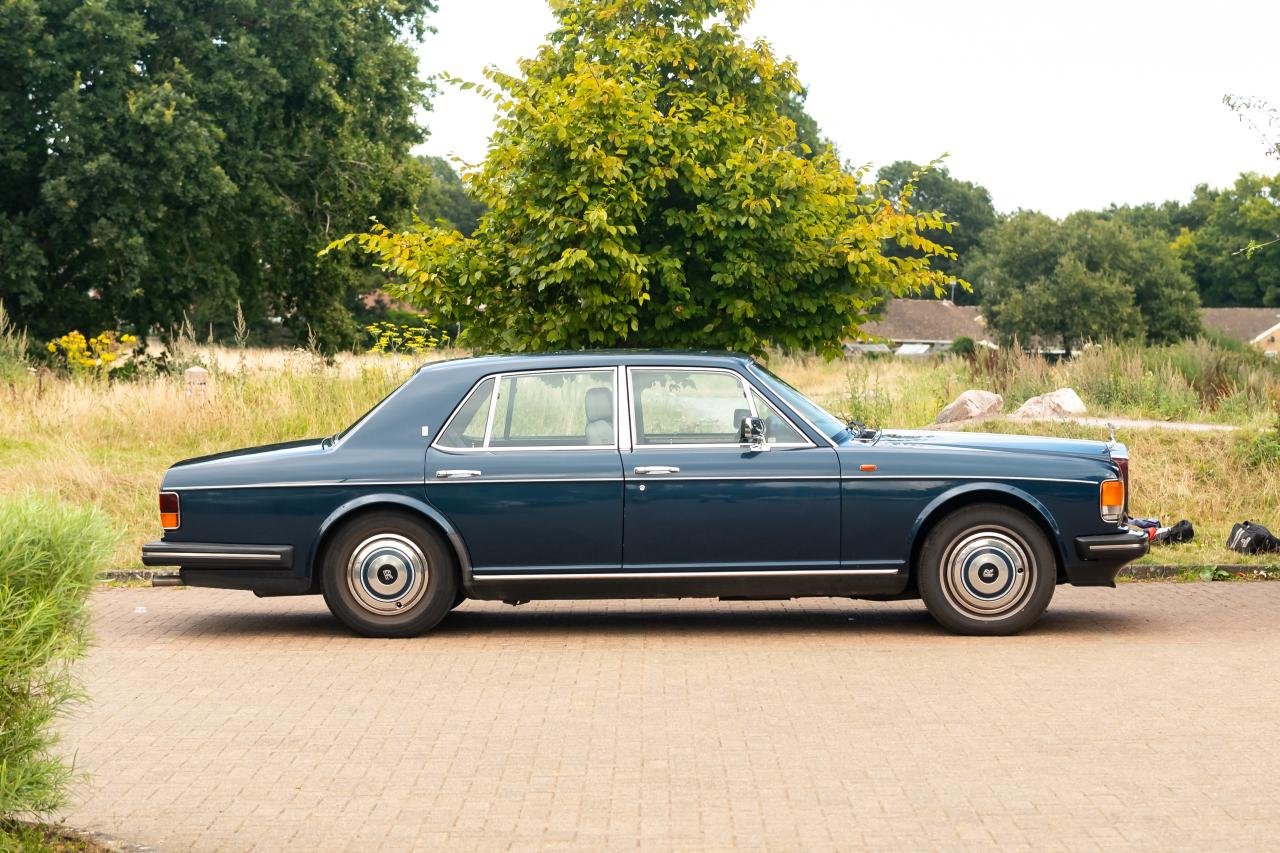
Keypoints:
pixel 466 429
pixel 555 409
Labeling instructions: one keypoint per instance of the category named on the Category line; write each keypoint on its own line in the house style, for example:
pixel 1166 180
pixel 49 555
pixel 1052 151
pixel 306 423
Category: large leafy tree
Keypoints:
pixel 160 157
pixel 645 187
pixel 1086 278
pixel 1235 255
pixel 444 196
pixel 963 203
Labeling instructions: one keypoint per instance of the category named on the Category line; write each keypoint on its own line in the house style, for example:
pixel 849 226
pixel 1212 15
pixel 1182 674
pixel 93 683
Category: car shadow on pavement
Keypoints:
pixel 594 618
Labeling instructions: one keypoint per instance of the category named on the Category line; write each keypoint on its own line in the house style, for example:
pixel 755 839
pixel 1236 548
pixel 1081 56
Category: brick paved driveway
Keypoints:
pixel 1144 717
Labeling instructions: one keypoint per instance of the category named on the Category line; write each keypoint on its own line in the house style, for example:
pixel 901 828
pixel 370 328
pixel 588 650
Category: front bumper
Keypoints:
pixel 205 555
pixel 1102 557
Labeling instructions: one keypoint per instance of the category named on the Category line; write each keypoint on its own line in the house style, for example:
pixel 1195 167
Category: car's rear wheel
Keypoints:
pixel 389 574
pixel 986 569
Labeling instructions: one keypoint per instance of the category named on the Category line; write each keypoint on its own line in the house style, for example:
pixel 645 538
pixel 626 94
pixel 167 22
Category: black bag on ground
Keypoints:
pixel 1249 538
pixel 1179 533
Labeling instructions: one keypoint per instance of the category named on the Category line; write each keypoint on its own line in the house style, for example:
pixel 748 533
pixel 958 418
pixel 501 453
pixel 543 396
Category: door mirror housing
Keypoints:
pixel 752 433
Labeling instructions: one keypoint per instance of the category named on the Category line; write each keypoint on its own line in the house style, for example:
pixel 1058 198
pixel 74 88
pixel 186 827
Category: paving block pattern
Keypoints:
pixel 1146 717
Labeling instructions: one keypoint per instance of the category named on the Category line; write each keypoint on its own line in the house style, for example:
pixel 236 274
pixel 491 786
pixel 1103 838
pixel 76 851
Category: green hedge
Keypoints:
pixel 50 552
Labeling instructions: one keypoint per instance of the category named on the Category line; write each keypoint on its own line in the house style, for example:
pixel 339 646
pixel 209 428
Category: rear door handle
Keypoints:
pixel 657 469
pixel 456 474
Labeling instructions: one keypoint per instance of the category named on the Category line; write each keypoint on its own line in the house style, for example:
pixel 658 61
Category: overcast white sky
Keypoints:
pixel 1052 107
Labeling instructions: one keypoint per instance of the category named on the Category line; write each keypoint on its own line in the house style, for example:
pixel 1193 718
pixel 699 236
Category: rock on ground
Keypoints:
pixel 1055 404
pixel 971 404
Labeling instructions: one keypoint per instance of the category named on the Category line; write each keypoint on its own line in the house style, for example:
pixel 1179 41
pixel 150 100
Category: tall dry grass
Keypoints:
pixel 108 443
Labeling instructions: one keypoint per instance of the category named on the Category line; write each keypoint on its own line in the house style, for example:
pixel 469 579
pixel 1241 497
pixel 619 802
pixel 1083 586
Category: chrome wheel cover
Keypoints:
pixel 387 574
pixel 988 572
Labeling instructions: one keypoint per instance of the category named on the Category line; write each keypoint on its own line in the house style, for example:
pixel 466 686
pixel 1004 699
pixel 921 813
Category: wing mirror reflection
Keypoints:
pixel 751 433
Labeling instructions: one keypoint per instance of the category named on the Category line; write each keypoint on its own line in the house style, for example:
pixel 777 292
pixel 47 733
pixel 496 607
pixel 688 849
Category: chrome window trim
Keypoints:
pixel 493 408
pixel 466 398
pixel 747 389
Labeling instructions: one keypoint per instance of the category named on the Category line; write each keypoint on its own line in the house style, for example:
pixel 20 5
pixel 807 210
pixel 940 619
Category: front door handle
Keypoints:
pixel 456 474
pixel 657 469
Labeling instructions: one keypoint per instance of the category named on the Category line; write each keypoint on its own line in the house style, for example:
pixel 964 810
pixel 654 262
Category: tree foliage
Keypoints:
pixel 645 187
pixel 965 204
pixel 1233 255
pixel 163 157
pixel 1086 278
pixel 444 196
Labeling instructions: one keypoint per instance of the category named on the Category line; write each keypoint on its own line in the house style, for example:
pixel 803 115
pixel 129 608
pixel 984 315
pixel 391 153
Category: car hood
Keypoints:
pixel 994 442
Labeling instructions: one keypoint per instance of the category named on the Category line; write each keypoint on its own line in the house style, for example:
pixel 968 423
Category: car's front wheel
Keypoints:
pixel 986 569
pixel 389 574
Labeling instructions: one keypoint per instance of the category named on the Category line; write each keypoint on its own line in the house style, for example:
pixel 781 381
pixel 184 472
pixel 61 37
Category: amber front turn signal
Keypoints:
pixel 1111 500
pixel 170 513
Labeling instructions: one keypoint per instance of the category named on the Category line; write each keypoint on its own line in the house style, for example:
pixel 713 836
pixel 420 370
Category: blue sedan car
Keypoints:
pixel 643 474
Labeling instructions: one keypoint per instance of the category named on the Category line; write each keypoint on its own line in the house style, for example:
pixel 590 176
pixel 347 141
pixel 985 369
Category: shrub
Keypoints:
pixel 50 552
pixel 97 356
pixel 402 338
pixel 964 346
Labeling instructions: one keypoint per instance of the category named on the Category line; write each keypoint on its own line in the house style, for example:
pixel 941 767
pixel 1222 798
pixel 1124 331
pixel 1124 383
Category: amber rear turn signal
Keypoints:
pixel 1111 500
pixel 170 513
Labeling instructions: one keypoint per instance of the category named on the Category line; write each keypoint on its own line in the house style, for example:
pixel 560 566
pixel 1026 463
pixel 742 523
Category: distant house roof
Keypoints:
pixel 931 320
pixel 1243 324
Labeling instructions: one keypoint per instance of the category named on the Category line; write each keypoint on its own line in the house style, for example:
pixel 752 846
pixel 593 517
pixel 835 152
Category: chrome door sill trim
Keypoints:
pixel 481 576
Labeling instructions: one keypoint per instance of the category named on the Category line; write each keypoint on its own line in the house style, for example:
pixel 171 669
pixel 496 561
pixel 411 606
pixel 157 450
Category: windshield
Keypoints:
pixel 826 423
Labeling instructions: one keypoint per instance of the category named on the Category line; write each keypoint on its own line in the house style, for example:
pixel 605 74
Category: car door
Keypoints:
pixel 697 501
pixel 527 469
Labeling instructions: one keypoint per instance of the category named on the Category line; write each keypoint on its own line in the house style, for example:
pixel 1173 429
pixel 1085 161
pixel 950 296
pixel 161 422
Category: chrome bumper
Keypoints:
pixel 1126 546
pixel 207 555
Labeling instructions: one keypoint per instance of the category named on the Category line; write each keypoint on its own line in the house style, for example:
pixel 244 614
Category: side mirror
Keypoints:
pixel 752 433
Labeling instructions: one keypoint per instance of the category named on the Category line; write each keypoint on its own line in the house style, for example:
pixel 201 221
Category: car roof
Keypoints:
pixel 593 358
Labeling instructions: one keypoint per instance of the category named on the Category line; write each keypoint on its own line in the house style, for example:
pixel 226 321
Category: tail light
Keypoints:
pixel 170 512
pixel 1121 457
pixel 1111 500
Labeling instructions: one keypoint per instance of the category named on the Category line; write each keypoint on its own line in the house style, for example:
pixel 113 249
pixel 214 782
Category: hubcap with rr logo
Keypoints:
pixel 988 572
pixel 387 574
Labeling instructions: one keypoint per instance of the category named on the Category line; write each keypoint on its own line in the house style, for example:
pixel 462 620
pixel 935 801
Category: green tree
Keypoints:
pixel 444 196
pixel 1086 278
pixel 164 157
pixel 965 204
pixel 1169 218
pixel 1233 256
pixel 645 188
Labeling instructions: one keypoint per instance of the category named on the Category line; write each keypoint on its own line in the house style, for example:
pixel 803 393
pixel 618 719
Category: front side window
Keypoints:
pixel 688 407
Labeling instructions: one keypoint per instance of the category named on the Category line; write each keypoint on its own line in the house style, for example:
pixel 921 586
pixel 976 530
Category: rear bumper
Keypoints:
pixel 204 555
pixel 264 569
pixel 1102 557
